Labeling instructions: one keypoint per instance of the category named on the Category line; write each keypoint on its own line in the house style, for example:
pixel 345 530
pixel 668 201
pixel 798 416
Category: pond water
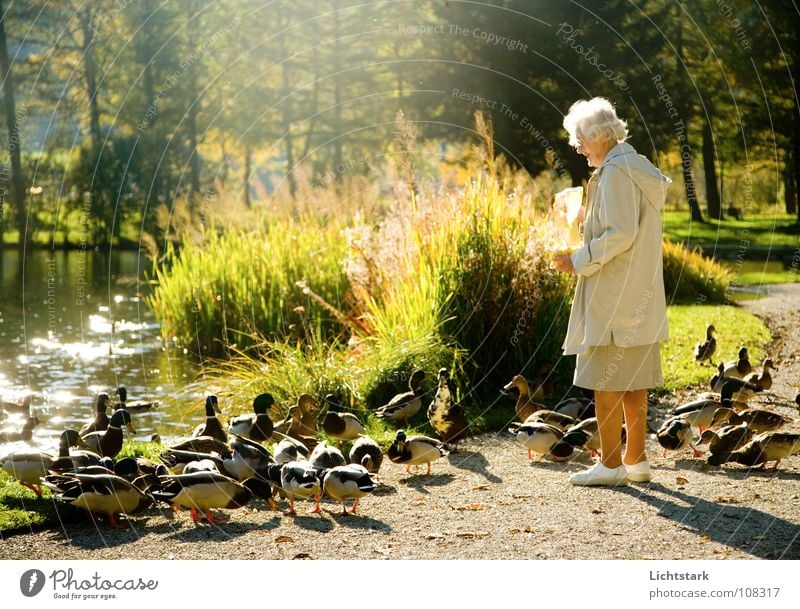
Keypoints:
pixel 74 324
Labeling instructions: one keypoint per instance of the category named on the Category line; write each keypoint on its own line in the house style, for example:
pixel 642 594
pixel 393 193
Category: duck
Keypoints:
pixel 212 426
pixel 100 420
pixel 719 378
pixel 289 449
pixel 699 413
pixel 727 438
pixel 676 433
pixel 300 480
pixel 366 452
pixel 301 421
pixel 108 443
pixel 133 405
pixel 347 482
pixel 404 405
pixel 20 407
pixel 184 461
pixel 579 408
pixel 538 438
pixel 68 460
pixel 740 368
pixel 738 392
pixel 584 435
pixel 763 380
pixel 445 416
pixel 543 382
pixel 23 435
pixel 202 491
pixel 757 419
pixel 525 405
pixel 340 425
pixel 551 417
pixel 257 426
pixel 248 459
pixel 107 494
pixel 29 467
pixel 204 444
pixel 326 457
pixel 705 350
pixel 770 446
pixel 414 450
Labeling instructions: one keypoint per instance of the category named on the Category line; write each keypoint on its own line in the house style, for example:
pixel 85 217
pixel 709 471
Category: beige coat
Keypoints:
pixel 620 291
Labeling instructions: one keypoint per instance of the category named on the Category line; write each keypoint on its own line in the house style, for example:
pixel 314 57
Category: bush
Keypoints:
pixel 689 277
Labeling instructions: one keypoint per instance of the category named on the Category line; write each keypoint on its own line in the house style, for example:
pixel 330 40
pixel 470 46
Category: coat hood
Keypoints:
pixel 647 177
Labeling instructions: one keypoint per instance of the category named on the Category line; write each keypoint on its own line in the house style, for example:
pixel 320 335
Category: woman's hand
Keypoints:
pixel 564 264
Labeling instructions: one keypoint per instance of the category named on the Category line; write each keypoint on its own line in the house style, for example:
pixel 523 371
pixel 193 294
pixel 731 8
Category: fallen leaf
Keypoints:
pixel 472 507
pixel 705 538
pixel 302 556
pixel 283 539
pixel 595 511
pixel 434 536
pixel 681 480
pixel 482 487
pixel 726 500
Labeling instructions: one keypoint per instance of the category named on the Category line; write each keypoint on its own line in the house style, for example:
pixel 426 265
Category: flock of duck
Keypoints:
pixel 221 467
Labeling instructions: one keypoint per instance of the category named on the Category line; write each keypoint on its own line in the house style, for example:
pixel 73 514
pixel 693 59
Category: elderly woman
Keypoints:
pixel 618 315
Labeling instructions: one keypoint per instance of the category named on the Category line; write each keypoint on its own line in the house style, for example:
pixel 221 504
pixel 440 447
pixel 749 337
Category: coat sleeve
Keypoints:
pixel 614 222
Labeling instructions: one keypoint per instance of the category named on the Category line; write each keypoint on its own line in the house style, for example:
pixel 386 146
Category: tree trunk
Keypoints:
pixel 789 183
pixel 713 203
pixel 90 72
pixel 14 138
pixel 287 115
pixel 191 126
pixel 337 95
pixel 684 143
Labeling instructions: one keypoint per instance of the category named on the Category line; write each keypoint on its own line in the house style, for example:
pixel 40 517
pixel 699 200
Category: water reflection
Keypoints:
pixel 73 324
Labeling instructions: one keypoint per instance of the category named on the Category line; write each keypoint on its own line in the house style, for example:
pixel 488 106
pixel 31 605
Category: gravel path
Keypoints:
pixel 490 502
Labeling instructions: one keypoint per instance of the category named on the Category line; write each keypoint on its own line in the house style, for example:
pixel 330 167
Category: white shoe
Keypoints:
pixel 640 472
pixel 600 475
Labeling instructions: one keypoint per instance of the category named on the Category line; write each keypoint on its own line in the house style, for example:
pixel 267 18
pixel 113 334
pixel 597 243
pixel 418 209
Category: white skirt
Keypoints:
pixel 614 368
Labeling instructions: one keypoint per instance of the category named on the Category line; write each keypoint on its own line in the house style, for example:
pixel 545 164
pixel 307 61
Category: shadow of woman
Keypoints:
pixel 473 462
pixel 745 528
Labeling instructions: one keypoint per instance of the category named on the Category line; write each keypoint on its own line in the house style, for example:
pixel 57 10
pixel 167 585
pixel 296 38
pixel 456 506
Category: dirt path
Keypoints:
pixel 490 502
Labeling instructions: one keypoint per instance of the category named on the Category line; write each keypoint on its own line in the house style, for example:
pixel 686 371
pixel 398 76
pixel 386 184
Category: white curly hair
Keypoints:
pixel 594 119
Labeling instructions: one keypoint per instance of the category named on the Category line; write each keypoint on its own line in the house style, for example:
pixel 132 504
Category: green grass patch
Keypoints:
pixel 768 230
pixel 687 325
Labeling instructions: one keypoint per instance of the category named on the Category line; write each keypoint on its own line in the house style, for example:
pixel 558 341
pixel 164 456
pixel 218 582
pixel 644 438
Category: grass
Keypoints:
pixel 687 323
pixel 767 230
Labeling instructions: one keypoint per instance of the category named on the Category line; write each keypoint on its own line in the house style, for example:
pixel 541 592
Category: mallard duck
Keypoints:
pixel 347 482
pixel 301 421
pixel 727 438
pixel 340 425
pixel 445 416
pixel 133 405
pixel 699 413
pixel 719 378
pixel 737 391
pixel 20 407
pixel 100 420
pixel 525 405
pixel 551 417
pixel 248 459
pixel 106 494
pixel 763 380
pixel 366 452
pixel 538 438
pixel 257 426
pixel 211 427
pixel 543 382
pixel 414 450
pixel 179 461
pixel 23 435
pixel 203 491
pixel 204 444
pixel 300 480
pixel 108 443
pixel 289 449
pixel 740 368
pixel 676 433
pixel 757 419
pixel 405 405
pixel 771 446
pixel 326 457
pixel 705 350
pixel 70 461
pixel 30 466
pixel 131 468
pixel 579 408
pixel 584 435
